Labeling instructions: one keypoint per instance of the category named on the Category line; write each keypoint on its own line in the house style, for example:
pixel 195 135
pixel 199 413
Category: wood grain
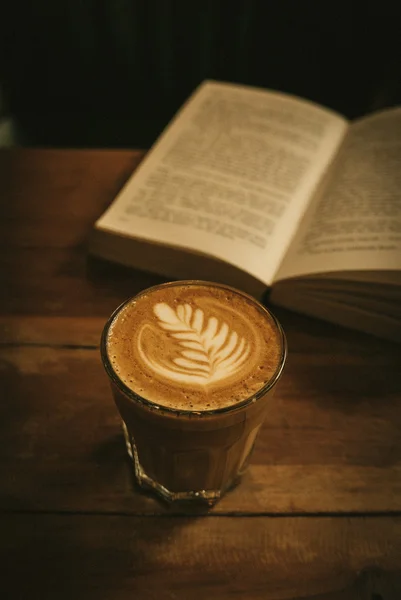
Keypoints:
pixel 49 202
pixel 98 557
pixel 330 442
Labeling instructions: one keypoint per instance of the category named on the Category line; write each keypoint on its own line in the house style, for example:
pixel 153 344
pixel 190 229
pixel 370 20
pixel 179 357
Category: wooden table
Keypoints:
pixel 318 514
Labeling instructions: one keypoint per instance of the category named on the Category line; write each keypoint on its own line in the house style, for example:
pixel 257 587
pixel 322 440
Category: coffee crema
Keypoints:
pixel 194 346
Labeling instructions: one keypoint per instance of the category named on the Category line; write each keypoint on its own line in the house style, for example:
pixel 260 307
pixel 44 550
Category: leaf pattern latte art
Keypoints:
pixel 208 351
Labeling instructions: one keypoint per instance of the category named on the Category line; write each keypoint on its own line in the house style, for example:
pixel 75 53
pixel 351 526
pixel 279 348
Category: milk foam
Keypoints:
pixel 194 346
pixel 208 349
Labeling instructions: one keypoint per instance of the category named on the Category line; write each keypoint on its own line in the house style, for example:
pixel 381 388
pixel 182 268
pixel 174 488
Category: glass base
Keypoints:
pixel 147 483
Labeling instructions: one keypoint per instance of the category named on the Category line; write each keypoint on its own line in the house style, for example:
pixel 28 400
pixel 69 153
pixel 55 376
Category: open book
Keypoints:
pixel 260 190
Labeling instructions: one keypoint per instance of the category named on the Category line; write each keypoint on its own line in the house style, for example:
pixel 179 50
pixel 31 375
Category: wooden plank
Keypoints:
pixel 52 331
pixel 50 201
pixel 98 557
pixel 65 283
pixel 330 444
pixel 50 188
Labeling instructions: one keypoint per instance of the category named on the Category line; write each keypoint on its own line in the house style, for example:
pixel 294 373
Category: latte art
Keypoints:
pixel 208 350
pixel 194 346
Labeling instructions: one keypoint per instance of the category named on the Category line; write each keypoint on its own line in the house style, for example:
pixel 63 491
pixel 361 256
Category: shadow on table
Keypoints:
pixel 113 450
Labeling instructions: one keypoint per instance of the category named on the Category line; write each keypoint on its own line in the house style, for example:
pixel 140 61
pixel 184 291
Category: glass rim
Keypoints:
pixel 160 408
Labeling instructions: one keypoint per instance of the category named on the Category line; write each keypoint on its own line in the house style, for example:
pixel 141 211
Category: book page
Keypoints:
pixel 354 223
pixel 231 176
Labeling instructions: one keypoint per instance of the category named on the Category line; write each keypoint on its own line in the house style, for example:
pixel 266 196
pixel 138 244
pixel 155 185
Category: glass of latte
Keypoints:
pixel 192 367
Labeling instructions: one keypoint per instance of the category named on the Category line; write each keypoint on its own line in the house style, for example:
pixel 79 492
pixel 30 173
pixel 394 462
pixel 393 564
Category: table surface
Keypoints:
pixel 318 514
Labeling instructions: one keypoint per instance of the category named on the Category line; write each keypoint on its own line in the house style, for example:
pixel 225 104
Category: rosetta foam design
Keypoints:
pixel 208 350
pixel 194 347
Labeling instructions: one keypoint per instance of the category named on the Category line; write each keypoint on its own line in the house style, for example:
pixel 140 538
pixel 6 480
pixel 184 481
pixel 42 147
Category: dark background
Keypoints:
pixel 87 73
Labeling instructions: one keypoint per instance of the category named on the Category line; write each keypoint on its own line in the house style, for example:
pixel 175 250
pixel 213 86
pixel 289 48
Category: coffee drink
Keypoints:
pixel 191 365
pixel 194 347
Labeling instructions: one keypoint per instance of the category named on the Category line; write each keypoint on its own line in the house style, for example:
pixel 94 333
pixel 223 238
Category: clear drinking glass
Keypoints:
pixel 190 455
